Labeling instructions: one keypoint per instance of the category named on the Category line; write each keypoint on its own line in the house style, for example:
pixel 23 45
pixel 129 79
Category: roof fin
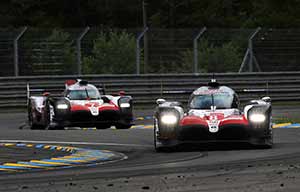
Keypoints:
pixel 213 83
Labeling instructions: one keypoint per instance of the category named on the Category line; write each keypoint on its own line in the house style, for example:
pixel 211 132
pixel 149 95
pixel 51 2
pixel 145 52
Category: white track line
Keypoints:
pixel 73 143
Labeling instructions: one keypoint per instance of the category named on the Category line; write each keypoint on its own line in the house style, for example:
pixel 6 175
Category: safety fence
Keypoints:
pixel 145 89
pixel 36 51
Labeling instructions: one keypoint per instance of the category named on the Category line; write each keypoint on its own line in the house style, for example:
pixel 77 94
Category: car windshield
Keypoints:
pixel 220 100
pixel 83 94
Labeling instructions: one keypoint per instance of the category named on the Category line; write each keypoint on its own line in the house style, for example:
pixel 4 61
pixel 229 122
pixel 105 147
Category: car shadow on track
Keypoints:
pixel 214 147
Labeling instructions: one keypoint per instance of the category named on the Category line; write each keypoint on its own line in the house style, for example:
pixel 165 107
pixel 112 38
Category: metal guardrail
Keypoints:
pixel 145 89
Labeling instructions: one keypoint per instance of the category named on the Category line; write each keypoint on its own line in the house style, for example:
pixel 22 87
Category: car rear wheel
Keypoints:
pixel 31 123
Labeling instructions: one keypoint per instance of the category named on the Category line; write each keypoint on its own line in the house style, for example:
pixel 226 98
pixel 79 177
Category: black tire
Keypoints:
pixel 32 125
pixel 123 126
pixel 266 144
pixel 47 114
pixel 55 128
pixel 104 126
pixel 160 148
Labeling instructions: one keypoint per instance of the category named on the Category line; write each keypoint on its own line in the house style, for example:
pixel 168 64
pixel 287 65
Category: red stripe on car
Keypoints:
pixel 193 120
pixel 79 108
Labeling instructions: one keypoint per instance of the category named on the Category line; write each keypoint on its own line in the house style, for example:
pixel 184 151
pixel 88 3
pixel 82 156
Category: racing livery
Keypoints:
pixel 213 115
pixel 81 105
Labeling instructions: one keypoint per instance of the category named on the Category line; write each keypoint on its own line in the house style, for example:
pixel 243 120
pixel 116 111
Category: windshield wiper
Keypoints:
pixel 87 93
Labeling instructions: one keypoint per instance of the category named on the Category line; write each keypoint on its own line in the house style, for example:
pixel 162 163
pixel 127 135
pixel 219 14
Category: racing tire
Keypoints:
pixel 163 149
pixel 55 127
pixel 267 145
pixel 264 146
pixel 48 123
pixel 160 149
pixel 103 126
pixel 123 126
pixel 32 125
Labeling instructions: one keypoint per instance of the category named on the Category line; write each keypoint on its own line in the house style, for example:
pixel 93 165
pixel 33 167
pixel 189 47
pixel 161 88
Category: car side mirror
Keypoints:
pixel 266 99
pixel 46 94
pixel 122 93
pixel 160 101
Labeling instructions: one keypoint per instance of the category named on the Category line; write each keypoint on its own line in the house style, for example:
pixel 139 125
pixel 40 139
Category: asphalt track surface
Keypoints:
pixel 216 168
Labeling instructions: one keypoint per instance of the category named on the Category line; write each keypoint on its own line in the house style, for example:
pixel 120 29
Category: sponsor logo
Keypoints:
pixel 94 110
pixel 213 124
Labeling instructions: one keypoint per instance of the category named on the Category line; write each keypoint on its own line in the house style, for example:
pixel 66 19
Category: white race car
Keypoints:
pixel 81 105
pixel 214 115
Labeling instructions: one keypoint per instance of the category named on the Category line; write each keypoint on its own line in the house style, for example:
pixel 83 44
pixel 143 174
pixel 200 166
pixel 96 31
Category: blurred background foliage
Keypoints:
pixel 215 59
pixel 112 52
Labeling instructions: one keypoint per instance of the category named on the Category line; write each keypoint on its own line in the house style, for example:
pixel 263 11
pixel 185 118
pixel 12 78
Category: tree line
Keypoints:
pixel 162 13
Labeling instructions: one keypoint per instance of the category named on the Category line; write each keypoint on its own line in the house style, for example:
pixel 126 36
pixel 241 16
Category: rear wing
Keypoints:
pixel 33 91
pixel 255 90
pixel 55 91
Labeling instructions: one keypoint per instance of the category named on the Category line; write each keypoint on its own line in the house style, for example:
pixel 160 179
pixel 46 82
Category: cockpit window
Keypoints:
pixel 220 100
pixel 83 94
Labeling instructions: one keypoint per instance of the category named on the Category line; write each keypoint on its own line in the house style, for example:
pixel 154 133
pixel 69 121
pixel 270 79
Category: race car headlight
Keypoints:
pixel 62 106
pixel 169 119
pixel 125 105
pixel 257 118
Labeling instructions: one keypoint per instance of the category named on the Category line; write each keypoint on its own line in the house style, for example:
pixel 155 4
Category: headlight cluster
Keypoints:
pixel 62 106
pixel 125 105
pixel 257 118
pixel 169 119
pixel 125 102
